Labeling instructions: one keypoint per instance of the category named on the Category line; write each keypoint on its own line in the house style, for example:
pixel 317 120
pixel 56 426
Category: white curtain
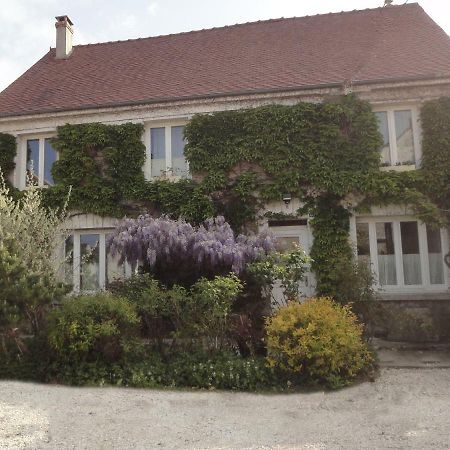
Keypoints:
pixel 412 269
pixel 436 268
pixel 386 270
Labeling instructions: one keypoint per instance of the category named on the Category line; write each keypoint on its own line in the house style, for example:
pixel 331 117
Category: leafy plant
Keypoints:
pixel 318 341
pixel 8 150
pixel 202 312
pixel 209 308
pixel 287 268
pixel 92 328
pixel 29 239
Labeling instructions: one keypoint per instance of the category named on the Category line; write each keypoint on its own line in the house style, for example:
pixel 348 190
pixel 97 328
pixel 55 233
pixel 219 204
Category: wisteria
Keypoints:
pixel 175 245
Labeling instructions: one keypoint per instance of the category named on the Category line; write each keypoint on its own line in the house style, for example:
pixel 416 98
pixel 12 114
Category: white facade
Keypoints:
pixel 397 104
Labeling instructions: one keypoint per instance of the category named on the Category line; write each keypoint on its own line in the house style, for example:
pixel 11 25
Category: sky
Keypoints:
pixel 27 26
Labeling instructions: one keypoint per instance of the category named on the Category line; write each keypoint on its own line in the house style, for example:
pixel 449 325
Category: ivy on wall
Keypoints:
pixel 102 164
pixel 435 116
pixel 325 154
pixel 8 150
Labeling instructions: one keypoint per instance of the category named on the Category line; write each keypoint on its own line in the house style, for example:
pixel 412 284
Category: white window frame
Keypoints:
pixel 76 266
pixel 22 181
pixel 168 150
pixel 417 135
pixel 401 287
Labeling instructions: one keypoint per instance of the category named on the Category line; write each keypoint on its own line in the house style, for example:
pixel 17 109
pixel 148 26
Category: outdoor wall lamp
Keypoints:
pixel 287 199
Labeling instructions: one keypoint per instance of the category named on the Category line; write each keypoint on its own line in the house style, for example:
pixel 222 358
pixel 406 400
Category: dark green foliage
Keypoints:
pixel 319 153
pixel 251 156
pixel 25 298
pixel 435 116
pixel 184 370
pixel 92 328
pixel 201 313
pixel 331 247
pixel 102 164
pixel 8 149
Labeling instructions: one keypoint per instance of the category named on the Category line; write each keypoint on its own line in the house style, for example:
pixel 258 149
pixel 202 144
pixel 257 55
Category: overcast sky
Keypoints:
pixel 27 26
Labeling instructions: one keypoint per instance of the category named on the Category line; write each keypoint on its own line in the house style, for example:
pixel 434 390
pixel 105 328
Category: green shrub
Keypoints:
pixel 203 312
pixel 209 307
pixel 184 370
pixel 318 341
pixel 158 308
pixel 25 298
pixel 92 328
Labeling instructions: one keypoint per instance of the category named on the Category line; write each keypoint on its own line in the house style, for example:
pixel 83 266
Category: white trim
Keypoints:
pixel 416 133
pixel 20 176
pixel 167 125
pixel 400 287
pixel 76 266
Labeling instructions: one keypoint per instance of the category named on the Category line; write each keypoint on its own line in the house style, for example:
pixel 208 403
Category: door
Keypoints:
pixel 288 237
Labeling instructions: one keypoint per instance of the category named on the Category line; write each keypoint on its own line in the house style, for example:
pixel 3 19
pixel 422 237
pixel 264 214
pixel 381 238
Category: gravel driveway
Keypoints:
pixel 404 408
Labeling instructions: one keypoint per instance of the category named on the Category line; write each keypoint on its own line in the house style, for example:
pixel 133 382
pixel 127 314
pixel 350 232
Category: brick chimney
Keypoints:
pixel 64 33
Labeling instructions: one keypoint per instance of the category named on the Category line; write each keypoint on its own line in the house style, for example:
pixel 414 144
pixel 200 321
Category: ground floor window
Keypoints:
pixel 88 264
pixel 402 252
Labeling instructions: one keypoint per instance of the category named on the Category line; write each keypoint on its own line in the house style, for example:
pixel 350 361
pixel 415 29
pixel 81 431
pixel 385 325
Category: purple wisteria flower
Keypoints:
pixel 212 248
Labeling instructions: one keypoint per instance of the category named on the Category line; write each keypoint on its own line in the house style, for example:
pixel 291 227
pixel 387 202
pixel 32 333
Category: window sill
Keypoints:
pixel 401 168
pixel 172 178
pixel 415 296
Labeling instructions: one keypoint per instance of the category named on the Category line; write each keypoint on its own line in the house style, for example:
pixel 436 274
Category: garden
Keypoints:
pixel 196 313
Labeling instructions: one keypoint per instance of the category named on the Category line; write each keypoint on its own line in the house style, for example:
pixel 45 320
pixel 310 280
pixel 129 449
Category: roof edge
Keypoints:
pixel 262 22
pixel 345 85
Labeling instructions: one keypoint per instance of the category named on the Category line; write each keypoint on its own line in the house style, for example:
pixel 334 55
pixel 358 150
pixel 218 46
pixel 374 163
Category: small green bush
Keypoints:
pixel 92 328
pixel 318 341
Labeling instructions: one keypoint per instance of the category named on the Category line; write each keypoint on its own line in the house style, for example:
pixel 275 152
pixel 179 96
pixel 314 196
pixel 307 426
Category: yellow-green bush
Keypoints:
pixel 317 341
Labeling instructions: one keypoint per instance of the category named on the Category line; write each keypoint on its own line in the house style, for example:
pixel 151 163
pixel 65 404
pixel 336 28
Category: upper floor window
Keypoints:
pixel 40 159
pixel 399 130
pixel 167 151
pixel 403 253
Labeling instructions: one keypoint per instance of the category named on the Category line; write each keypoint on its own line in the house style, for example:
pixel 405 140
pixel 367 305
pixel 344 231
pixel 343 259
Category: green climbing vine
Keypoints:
pixel 326 154
pixel 8 149
pixel 102 164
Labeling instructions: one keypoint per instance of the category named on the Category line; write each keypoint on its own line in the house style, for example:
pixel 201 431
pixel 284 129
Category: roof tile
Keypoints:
pixel 398 42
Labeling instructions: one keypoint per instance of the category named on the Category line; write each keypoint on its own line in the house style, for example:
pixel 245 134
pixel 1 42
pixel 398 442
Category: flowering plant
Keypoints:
pixel 177 252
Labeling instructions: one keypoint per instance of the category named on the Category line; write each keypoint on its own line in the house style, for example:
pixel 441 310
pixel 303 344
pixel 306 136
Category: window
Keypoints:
pixel 167 151
pixel 403 253
pixel 88 264
pixel 40 159
pixel 398 130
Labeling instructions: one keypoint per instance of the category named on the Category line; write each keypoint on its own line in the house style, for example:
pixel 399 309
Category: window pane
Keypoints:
pixel 362 242
pixel 179 166
pixel 411 255
pixel 386 254
pixel 435 256
pixel 90 267
pixel 68 262
pixel 384 130
pixel 404 134
pixel 114 270
pixel 49 158
pixel 33 159
pixel 158 151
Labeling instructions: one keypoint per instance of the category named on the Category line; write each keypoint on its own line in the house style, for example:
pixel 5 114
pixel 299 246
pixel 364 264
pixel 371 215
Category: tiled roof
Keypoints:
pixel 397 42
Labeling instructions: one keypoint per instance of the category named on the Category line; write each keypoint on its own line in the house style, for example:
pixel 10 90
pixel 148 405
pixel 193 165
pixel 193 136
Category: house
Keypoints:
pixel 395 57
